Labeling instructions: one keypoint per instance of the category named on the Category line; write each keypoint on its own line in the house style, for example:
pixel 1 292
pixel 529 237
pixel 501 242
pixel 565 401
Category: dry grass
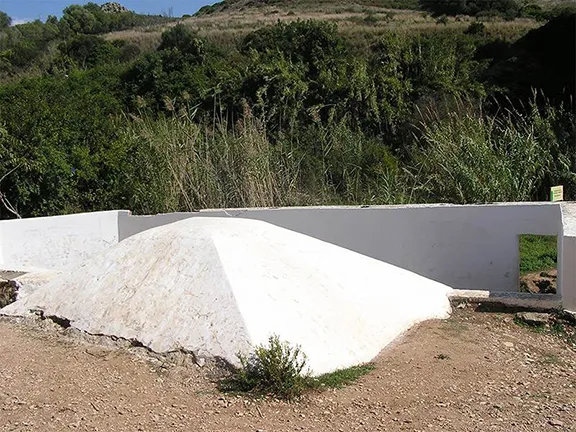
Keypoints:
pixel 360 24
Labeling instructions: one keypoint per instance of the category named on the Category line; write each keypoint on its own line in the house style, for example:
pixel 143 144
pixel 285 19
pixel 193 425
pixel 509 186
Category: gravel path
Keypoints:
pixel 474 372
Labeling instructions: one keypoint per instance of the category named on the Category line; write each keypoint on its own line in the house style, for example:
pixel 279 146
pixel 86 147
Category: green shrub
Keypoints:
pixel 277 369
pixel 476 27
pixel 209 9
pixel 89 51
pixel 91 19
pixel 61 135
pixel 408 69
pixel 184 40
pixel 315 43
pixel 185 69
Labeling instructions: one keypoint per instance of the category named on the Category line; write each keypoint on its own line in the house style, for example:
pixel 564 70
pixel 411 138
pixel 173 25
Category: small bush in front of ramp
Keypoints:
pixel 277 369
pixel 280 370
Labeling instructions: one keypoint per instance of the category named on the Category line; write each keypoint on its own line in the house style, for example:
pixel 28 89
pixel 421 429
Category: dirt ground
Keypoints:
pixel 476 371
pixel 539 282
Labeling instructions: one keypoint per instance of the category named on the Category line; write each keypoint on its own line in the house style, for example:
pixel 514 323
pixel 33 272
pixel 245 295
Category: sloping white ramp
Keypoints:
pixel 218 286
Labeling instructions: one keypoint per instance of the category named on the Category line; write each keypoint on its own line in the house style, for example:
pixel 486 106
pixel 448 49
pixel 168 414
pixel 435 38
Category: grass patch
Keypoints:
pixel 280 370
pixel 536 329
pixel 537 253
pixel 341 377
pixel 562 326
pixel 455 327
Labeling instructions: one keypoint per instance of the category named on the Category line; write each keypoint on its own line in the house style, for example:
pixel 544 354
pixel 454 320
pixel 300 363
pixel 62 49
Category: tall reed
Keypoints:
pixel 216 166
pixel 466 156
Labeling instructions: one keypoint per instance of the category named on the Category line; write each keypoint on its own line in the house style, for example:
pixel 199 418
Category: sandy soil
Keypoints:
pixel 475 372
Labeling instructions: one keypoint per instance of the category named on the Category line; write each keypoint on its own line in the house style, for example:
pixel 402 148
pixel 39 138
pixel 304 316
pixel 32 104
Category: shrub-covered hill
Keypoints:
pixel 304 5
pixel 290 113
pixel 32 44
pixel 510 9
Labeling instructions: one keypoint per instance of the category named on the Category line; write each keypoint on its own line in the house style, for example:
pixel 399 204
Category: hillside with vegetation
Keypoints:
pixel 505 8
pixel 270 103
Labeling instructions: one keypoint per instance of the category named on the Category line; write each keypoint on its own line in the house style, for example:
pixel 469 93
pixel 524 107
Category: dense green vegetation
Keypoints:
pixel 30 45
pixel 291 115
pixel 537 253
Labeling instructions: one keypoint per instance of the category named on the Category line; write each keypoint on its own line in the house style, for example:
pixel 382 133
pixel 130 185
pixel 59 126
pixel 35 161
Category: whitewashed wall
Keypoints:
pixel 567 258
pixel 56 242
pixel 466 247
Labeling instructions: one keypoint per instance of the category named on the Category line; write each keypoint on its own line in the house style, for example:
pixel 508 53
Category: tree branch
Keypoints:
pixel 4 199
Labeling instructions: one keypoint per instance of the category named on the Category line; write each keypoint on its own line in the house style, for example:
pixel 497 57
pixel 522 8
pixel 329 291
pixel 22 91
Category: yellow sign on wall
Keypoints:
pixel 557 193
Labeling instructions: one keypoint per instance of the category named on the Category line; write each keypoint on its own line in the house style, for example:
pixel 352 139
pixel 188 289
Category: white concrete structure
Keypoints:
pixel 217 287
pixel 466 247
pixel 32 280
pixel 56 242
pixel 567 258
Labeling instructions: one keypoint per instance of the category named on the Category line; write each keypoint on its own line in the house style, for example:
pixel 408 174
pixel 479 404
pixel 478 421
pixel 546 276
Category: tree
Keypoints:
pixel 312 42
pixel 59 139
pixel 89 51
pixel 179 68
pixel 78 19
pixel 5 20
pixel 184 40
pixel 52 20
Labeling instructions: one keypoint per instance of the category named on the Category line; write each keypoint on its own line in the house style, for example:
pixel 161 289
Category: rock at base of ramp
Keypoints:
pixel 218 287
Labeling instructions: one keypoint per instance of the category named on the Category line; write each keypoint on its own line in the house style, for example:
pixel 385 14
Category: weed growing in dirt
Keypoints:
pixel 565 331
pixel 562 326
pixel 280 370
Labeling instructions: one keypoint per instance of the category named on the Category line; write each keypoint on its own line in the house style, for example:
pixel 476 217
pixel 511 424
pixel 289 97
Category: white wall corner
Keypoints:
pixel 567 257
pixel 568 273
pixel 121 220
